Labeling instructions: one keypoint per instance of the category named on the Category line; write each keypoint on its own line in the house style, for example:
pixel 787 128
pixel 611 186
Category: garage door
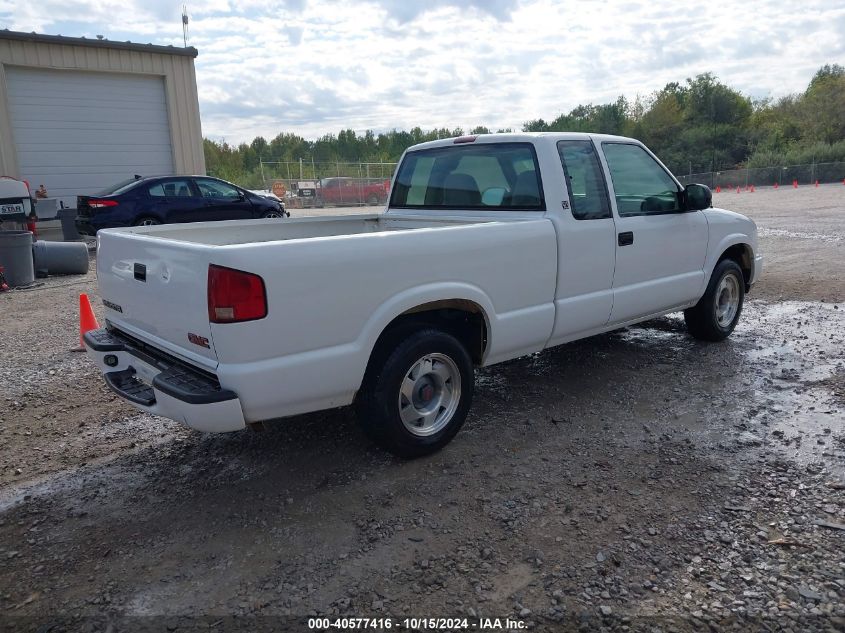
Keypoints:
pixel 79 132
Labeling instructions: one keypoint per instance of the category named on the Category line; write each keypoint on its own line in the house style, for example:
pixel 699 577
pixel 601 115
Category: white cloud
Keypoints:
pixel 317 66
pixel 407 10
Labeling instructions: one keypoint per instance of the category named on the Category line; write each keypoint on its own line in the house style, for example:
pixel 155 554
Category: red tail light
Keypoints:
pixel 235 296
pixel 99 204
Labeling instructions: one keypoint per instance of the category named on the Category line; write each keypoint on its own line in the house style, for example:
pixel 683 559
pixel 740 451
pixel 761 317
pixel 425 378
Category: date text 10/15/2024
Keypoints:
pixel 416 624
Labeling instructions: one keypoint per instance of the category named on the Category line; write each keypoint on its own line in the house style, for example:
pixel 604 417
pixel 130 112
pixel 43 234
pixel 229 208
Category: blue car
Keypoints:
pixel 171 199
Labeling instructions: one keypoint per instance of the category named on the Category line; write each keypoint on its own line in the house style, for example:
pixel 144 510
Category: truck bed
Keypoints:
pixel 258 231
pixel 332 286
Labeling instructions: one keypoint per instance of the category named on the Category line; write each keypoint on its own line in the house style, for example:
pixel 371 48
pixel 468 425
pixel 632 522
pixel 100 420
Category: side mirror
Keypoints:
pixel 698 197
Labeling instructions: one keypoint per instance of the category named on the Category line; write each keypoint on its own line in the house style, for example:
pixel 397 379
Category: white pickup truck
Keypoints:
pixel 491 247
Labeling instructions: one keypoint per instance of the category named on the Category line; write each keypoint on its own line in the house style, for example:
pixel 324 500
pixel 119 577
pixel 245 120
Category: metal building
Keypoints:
pixel 77 115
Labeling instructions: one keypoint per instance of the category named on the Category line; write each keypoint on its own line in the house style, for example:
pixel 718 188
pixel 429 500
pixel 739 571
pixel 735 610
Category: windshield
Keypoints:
pixel 119 188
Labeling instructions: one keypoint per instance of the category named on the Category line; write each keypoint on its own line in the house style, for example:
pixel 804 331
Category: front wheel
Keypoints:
pixel 415 398
pixel 273 213
pixel 716 314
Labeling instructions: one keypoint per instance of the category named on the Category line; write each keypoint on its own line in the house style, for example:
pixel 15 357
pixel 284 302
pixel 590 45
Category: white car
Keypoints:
pixel 491 247
pixel 15 199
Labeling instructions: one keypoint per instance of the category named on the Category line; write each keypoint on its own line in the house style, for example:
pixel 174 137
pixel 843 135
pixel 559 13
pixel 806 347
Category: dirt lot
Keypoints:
pixel 638 480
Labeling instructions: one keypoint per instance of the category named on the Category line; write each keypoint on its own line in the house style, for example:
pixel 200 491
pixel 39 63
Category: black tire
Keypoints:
pixel 703 321
pixel 147 220
pixel 274 214
pixel 373 200
pixel 378 401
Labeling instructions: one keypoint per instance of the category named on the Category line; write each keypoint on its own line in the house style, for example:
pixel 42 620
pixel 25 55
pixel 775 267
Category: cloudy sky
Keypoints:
pixel 318 66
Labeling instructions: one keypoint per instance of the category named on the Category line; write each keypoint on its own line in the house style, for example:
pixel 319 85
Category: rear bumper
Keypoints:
pixel 89 225
pixel 159 384
pixel 84 226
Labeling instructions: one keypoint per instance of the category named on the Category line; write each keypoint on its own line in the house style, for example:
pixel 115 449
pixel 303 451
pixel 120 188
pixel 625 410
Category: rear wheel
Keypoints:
pixel 716 314
pixel 373 200
pixel 415 397
pixel 147 221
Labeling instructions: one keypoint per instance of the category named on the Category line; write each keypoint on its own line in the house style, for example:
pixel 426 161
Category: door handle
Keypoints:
pixel 626 238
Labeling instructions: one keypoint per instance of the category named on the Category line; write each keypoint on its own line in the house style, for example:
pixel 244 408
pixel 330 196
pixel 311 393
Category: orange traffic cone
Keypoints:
pixel 752 188
pixel 776 185
pixel 87 320
pixel 795 184
pixel 737 189
pixel 817 183
pixel 719 187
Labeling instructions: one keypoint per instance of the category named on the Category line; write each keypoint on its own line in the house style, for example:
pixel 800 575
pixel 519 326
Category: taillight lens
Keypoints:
pixel 235 296
pixel 99 204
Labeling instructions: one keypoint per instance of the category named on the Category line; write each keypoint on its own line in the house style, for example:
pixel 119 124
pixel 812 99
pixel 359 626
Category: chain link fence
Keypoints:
pixel 308 184
pixel 769 176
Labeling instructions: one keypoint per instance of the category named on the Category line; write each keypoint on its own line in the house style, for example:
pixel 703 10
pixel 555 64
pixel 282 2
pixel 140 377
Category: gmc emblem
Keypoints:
pixel 113 306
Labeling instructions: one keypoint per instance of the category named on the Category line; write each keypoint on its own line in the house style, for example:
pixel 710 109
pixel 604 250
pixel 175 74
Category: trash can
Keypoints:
pixel 16 257
pixel 68 218
pixel 60 258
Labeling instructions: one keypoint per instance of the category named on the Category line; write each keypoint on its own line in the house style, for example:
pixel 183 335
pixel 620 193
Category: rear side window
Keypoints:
pixel 171 189
pixel 584 178
pixel 484 176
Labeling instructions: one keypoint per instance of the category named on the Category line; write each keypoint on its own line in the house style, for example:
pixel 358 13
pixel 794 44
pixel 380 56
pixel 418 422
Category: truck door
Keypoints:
pixel 660 247
pixel 350 191
pixel 330 191
pixel 587 246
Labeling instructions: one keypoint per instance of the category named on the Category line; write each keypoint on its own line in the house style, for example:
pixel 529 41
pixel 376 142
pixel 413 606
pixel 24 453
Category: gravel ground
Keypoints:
pixel 638 480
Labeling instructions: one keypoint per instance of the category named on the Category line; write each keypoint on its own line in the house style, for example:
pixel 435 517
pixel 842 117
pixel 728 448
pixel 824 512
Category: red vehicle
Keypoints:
pixel 342 191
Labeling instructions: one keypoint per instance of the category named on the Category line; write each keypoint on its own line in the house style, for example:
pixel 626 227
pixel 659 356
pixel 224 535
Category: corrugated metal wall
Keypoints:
pixel 179 80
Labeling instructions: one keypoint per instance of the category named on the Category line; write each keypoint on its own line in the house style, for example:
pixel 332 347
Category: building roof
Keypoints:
pixel 40 38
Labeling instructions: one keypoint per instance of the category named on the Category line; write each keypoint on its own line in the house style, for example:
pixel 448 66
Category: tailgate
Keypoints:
pixel 156 290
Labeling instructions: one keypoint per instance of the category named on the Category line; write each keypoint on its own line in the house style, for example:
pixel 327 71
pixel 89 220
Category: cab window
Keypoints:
pixel 485 176
pixel 641 185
